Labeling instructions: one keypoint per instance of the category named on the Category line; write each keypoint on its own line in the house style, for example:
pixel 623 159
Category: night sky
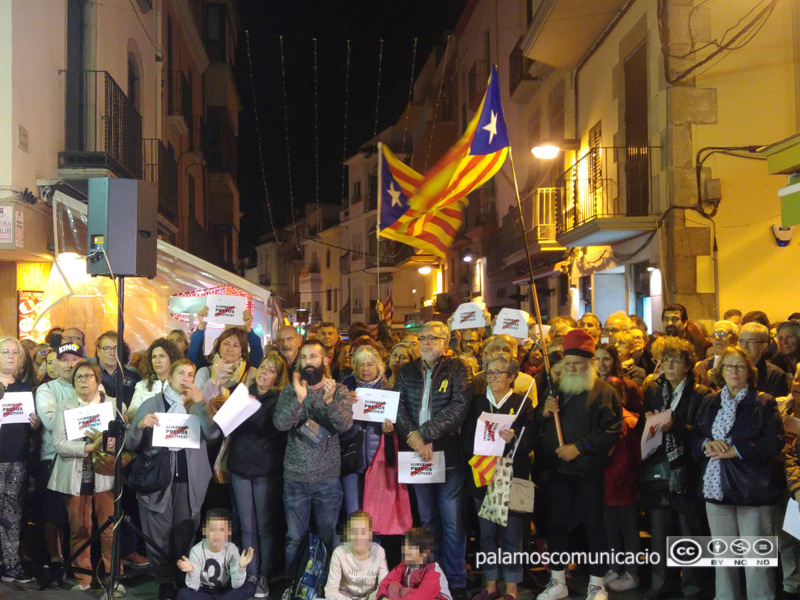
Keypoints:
pixel 364 23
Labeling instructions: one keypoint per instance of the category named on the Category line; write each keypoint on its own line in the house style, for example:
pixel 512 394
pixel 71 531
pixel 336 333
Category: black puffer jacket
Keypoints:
pixel 257 447
pixel 450 400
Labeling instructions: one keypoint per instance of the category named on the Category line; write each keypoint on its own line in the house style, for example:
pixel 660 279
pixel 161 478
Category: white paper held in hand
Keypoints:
pixel 652 436
pixel 177 430
pixel 239 407
pixel 16 407
pixel 487 440
pixel 376 405
pixel 791 522
pixel 412 469
pixel 91 416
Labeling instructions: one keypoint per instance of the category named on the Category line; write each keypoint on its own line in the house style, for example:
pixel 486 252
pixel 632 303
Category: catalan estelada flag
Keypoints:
pixel 471 162
pixel 433 231
pixel 482 469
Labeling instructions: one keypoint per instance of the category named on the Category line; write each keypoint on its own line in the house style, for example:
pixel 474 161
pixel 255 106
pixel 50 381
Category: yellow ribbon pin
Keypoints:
pixel 443 387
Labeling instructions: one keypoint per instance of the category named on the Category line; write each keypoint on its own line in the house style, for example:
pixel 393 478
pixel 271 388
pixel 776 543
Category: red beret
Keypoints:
pixel 579 343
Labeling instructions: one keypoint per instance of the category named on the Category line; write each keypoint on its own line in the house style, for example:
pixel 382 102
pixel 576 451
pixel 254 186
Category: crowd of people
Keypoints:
pixel 301 463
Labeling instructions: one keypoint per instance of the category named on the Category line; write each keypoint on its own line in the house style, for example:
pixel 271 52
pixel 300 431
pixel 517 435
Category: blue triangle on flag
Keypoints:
pixel 491 134
pixel 393 201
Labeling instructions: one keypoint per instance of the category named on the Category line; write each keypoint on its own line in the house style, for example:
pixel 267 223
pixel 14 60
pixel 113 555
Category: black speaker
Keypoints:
pixel 123 220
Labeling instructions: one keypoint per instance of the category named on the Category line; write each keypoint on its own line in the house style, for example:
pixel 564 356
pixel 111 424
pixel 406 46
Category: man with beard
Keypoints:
pixel 591 422
pixel 288 342
pixel 435 397
pixel 311 465
pixel 675 322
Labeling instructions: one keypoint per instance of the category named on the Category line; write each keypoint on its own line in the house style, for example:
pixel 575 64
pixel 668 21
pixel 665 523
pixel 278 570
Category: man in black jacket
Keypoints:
pixel 435 397
pixel 754 339
pixel 591 423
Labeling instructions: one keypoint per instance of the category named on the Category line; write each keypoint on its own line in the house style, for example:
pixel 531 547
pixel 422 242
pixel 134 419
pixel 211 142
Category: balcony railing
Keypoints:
pixel 476 82
pixel 312 269
pixel 606 182
pixel 540 221
pixel 518 65
pixel 159 167
pixel 103 129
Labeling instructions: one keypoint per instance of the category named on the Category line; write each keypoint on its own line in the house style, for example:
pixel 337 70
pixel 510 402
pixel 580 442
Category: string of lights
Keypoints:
pixel 410 94
pixel 346 101
pixel 316 127
pixel 378 98
pixel 258 137
pixel 286 132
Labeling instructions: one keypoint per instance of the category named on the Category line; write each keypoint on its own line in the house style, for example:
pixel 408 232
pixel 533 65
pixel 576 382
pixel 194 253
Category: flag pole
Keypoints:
pixel 551 387
pixel 378 225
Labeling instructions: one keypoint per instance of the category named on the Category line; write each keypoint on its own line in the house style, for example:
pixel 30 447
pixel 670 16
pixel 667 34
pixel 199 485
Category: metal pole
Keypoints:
pixel 551 387
pixel 118 441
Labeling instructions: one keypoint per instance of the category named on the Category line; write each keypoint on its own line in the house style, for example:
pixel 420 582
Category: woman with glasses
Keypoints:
pixel 160 355
pixel 14 438
pixel 623 342
pixel 669 478
pixel 738 435
pixel 501 370
pixel 85 491
pixel 362 440
pixel 724 335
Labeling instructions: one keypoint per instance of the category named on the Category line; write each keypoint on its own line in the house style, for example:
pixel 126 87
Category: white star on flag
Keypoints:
pixel 492 127
pixel 395 194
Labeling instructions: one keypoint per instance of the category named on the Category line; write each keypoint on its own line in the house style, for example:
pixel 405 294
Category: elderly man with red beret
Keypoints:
pixel 591 422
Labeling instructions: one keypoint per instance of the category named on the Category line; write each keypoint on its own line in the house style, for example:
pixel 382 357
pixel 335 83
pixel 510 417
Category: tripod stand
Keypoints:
pixel 116 431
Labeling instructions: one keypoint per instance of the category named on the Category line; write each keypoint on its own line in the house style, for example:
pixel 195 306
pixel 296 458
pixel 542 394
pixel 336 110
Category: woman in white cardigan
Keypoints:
pixel 74 476
pixel 160 356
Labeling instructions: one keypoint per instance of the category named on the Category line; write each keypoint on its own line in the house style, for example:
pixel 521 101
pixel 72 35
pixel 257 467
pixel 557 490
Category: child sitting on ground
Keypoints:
pixel 358 565
pixel 214 568
pixel 418 577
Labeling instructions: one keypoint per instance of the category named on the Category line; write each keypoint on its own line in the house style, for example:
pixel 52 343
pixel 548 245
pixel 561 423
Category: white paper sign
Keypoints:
pixel 412 469
pixel 487 434
pixel 513 322
pixel 91 416
pixel 225 310
pixel 652 434
pixel 239 407
pixel 177 431
pixel 468 316
pixel 791 521
pixel 376 405
pixel 6 225
pixel 791 429
pixel 16 407
pixel 186 305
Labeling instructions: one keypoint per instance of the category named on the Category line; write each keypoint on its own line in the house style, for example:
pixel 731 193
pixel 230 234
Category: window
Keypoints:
pixel 191 194
pixel 356 192
pixel 134 82
pixel 328 299
pixel 328 262
pixel 215 32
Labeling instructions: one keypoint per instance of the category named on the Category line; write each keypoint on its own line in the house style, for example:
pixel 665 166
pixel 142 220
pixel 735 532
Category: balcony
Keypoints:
pixel 607 196
pixel 103 130
pixel 521 84
pixel 480 215
pixel 160 168
pixel 392 254
pixel 179 103
pixel 344 263
pixel 441 109
pixel 220 146
pixel 476 83
pixel 307 272
pixel 539 214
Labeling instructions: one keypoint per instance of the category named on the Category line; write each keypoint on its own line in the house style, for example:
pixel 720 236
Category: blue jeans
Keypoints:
pixel 350 488
pixel 298 500
pixel 442 510
pixel 510 542
pixel 258 502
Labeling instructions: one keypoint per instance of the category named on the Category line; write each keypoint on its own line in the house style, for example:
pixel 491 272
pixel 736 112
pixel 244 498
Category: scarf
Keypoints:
pixel 498 404
pixel 174 405
pixel 673 448
pixel 237 376
pixel 375 384
pixel 720 430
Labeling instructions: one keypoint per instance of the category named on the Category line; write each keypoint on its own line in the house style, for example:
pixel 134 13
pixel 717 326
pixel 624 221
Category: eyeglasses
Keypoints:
pixel 740 368
pixel 108 348
pixel 84 377
pixel 746 342
pixel 719 335
pixel 6 353
pixel 430 338
pixel 71 338
pixel 496 374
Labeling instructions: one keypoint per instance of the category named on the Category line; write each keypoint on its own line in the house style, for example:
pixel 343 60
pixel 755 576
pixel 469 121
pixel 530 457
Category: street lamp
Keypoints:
pixel 548 149
pixel 469 256
pixel 424 270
